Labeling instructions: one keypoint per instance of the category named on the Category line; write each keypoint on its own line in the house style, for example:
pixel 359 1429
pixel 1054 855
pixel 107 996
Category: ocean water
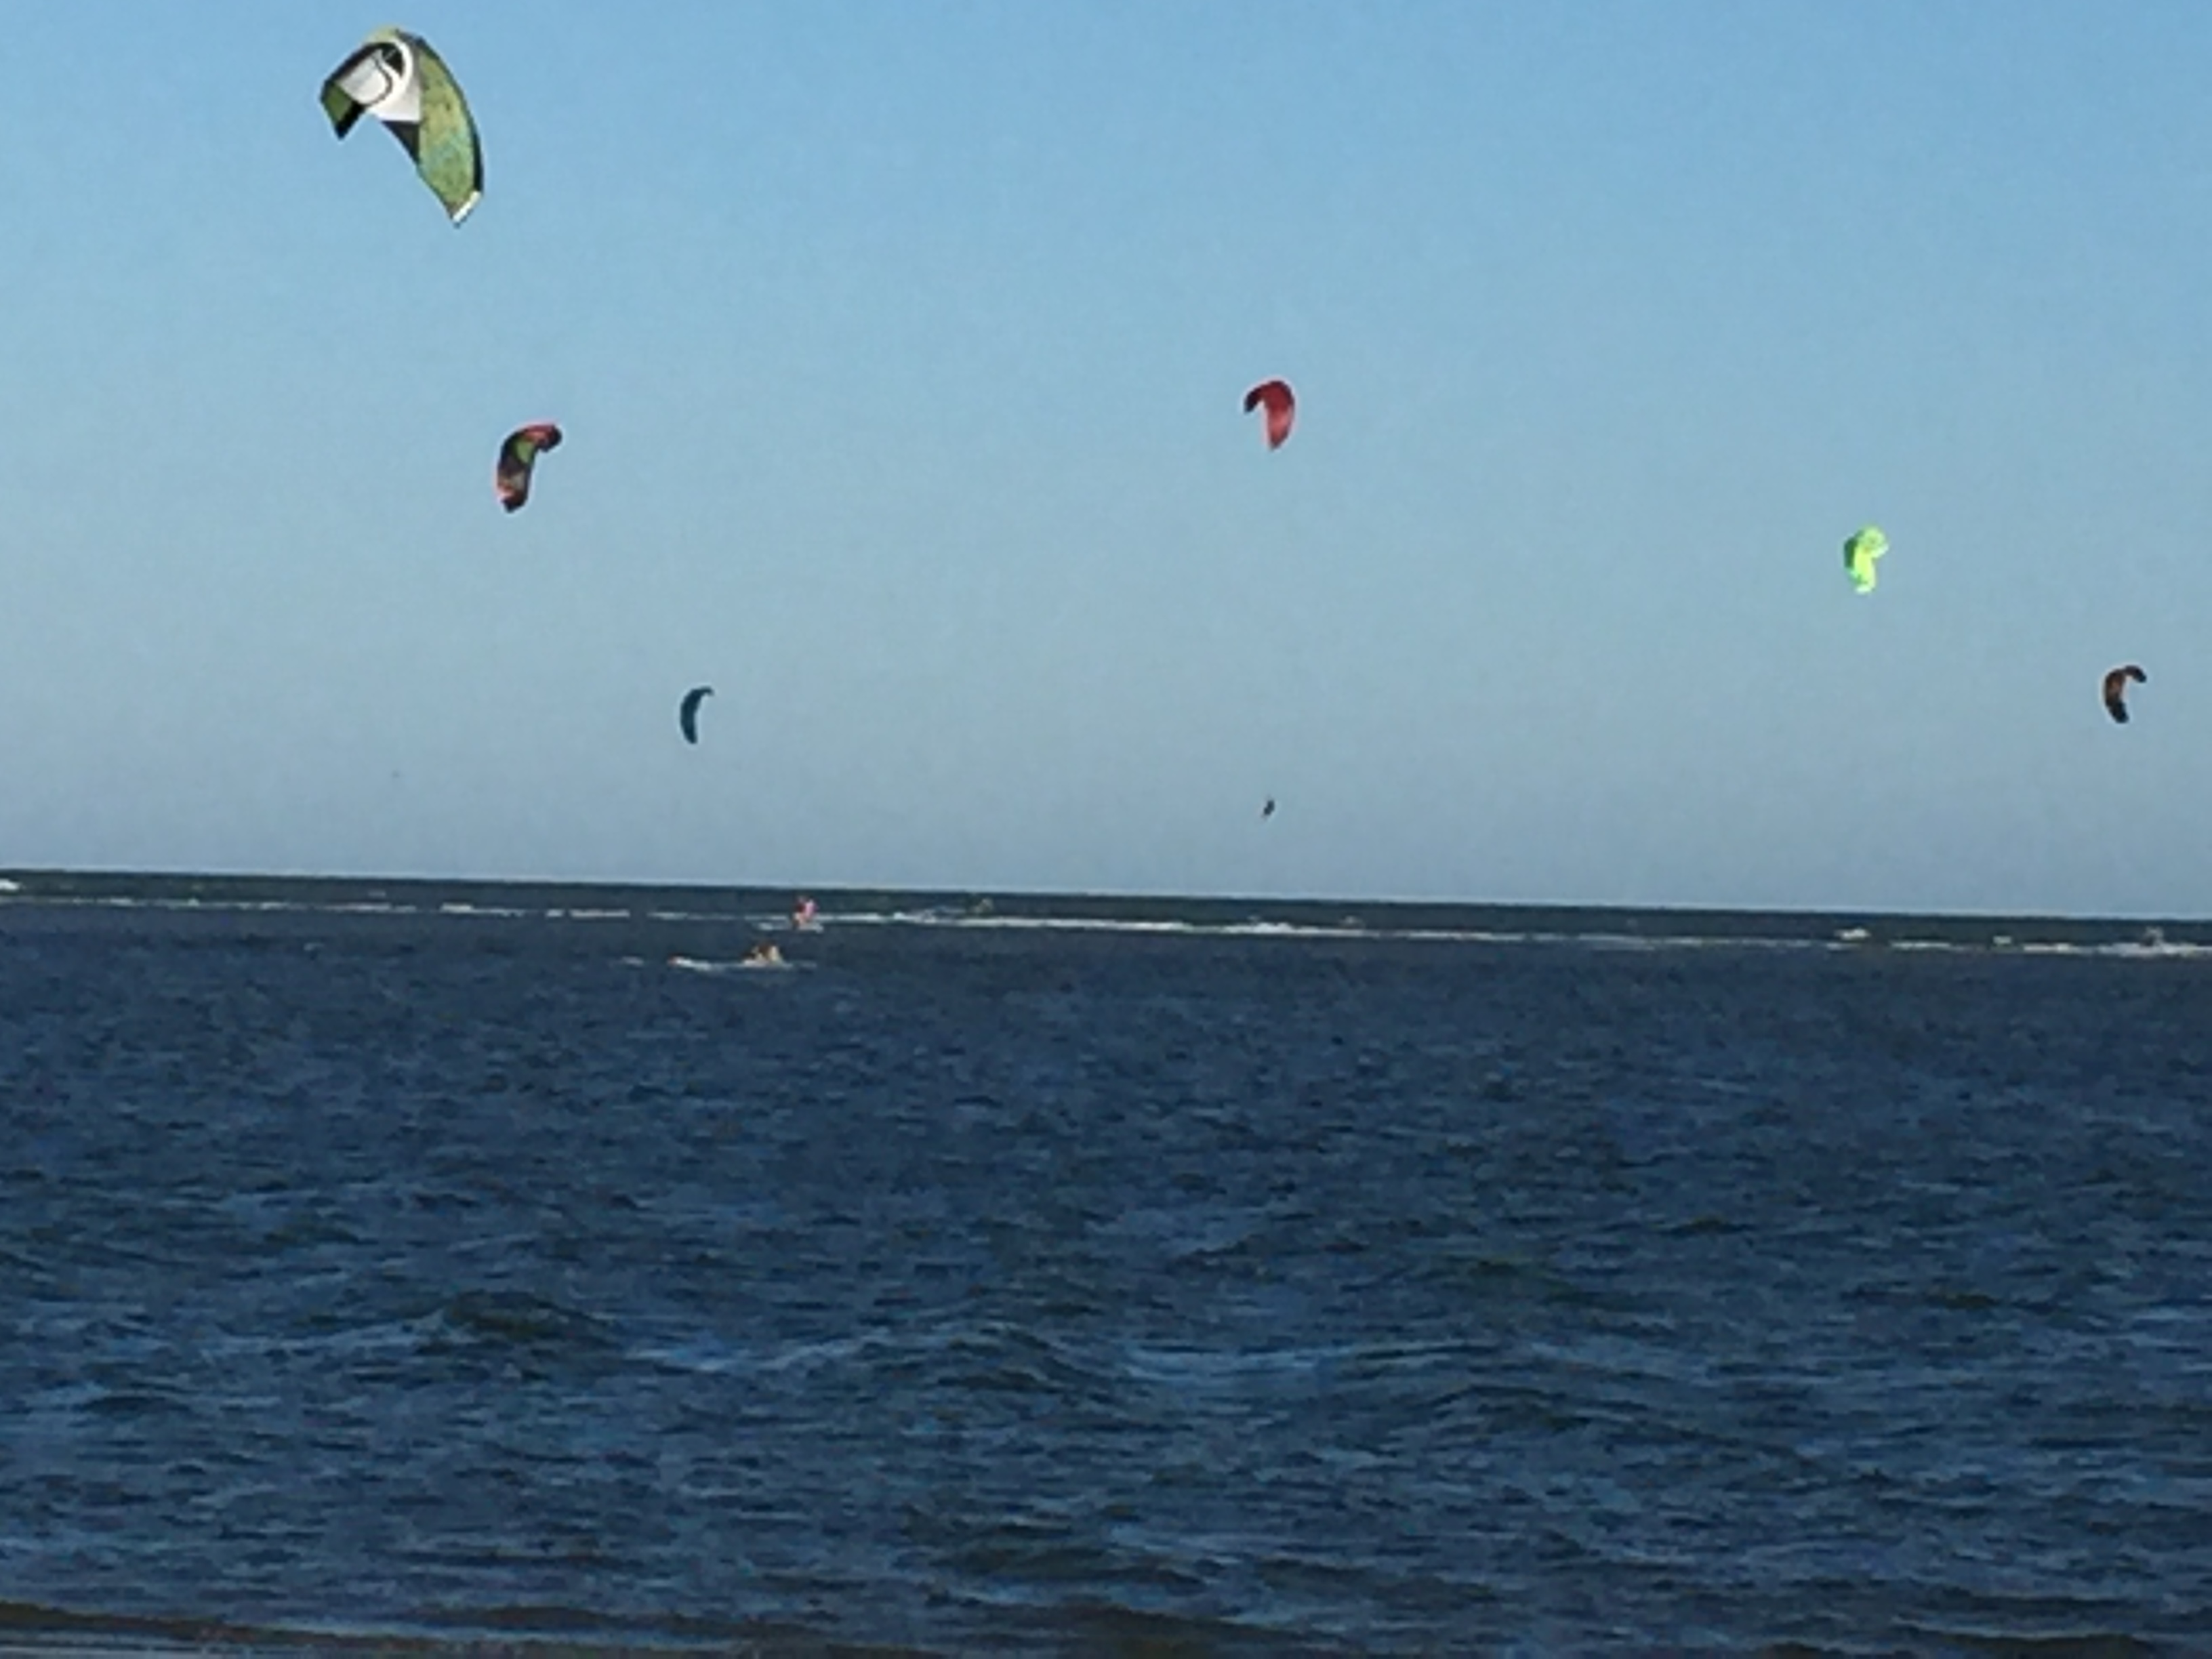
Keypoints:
pixel 438 1265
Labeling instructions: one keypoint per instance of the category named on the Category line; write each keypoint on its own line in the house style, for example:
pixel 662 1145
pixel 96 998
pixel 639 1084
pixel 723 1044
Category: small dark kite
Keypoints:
pixel 2116 691
pixel 687 716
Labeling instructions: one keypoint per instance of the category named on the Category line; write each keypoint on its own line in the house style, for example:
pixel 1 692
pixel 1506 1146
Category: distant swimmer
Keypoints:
pixel 802 916
pixel 764 955
pixel 1269 811
pixel 2116 691
pixel 1282 407
pixel 687 716
pixel 1860 552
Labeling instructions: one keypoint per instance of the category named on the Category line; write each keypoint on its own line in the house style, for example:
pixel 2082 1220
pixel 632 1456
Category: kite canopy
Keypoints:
pixel 2116 691
pixel 518 456
pixel 1860 553
pixel 1281 406
pixel 396 77
pixel 687 716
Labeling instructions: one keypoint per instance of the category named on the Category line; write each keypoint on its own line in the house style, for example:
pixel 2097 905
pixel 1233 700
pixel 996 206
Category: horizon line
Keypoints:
pixel 16 875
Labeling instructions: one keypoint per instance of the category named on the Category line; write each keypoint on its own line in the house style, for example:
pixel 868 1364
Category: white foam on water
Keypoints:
pixel 709 965
pixel 2151 945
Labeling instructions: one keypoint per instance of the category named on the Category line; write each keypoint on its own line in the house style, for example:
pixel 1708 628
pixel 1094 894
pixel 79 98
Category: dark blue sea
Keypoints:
pixel 430 1268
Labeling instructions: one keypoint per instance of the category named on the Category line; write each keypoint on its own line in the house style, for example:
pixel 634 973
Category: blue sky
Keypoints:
pixel 900 349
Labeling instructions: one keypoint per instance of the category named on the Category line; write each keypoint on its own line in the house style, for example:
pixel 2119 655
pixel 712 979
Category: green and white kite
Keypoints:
pixel 396 77
pixel 1859 554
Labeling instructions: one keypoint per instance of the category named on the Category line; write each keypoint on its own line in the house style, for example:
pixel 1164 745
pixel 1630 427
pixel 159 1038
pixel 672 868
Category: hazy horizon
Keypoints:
pixel 778 892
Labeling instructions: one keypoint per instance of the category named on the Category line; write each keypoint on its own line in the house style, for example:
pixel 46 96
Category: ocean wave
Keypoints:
pixel 1595 929
pixel 2158 950
pixel 30 1627
pixel 520 1320
pixel 712 966
pixel 1842 940
pixel 994 1356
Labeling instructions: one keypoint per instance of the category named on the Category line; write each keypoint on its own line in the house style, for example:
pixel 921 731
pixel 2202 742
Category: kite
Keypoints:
pixel 1860 553
pixel 396 77
pixel 1282 408
pixel 518 456
pixel 2116 691
pixel 687 716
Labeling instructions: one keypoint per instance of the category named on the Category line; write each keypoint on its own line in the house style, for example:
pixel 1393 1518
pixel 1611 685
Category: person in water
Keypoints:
pixel 765 955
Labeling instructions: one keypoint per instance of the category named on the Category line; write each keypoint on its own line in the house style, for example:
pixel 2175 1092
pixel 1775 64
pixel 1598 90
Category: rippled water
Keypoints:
pixel 1050 1288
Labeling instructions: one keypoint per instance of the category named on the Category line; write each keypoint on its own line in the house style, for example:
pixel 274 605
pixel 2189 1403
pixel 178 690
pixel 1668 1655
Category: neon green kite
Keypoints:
pixel 396 77
pixel 1859 554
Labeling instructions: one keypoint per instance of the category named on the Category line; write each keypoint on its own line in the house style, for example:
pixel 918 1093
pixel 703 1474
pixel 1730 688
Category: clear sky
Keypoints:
pixel 900 349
